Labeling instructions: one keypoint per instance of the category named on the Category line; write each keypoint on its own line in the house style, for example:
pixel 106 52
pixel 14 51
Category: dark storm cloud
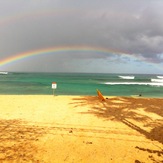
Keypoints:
pixel 128 26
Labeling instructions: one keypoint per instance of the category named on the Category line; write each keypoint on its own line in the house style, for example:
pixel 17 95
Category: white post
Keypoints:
pixel 54 86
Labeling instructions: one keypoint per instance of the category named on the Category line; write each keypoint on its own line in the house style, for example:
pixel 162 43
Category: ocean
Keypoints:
pixel 81 84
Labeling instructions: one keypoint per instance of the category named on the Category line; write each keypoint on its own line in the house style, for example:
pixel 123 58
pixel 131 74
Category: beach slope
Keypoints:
pixel 49 129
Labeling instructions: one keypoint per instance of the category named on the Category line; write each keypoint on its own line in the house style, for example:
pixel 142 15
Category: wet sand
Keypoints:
pixel 49 129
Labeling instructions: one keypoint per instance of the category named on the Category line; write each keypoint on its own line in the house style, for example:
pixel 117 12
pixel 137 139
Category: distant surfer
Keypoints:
pixel 140 95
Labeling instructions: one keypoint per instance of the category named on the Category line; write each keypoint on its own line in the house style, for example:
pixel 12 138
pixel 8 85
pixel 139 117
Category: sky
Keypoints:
pixel 103 36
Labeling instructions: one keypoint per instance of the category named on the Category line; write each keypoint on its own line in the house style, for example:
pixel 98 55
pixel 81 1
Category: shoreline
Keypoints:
pixel 65 95
pixel 47 129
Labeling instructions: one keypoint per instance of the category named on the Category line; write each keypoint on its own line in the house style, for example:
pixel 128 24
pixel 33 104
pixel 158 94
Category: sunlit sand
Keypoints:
pixel 49 129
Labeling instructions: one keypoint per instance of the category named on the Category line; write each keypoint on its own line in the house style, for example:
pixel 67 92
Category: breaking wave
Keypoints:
pixel 160 77
pixel 135 83
pixel 157 80
pixel 126 77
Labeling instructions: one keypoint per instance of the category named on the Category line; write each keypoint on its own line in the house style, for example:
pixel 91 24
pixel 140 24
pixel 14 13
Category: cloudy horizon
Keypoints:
pixel 132 31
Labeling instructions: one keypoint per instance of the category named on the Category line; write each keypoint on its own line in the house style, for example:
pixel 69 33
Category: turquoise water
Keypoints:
pixel 81 84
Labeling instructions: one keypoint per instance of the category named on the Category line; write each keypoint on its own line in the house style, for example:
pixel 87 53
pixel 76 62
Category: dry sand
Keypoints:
pixel 49 129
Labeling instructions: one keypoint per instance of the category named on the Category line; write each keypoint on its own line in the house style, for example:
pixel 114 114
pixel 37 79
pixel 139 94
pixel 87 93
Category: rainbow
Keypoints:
pixel 56 50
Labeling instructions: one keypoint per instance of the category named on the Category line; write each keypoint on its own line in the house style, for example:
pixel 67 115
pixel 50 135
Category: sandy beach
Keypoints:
pixel 49 129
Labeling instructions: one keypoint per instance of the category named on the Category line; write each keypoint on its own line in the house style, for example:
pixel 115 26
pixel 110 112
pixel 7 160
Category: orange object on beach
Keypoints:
pixel 101 97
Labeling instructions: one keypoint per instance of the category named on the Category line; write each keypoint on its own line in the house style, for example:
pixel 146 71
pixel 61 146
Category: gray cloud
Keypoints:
pixel 128 26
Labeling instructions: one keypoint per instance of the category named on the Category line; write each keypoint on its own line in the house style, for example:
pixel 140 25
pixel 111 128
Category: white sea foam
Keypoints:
pixel 134 83
pixel 127 77
pixel 160 77
pixel 157 80
pixel 3 73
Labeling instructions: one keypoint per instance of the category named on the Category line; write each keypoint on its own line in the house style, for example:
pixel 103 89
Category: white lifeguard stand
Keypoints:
pixel 54 86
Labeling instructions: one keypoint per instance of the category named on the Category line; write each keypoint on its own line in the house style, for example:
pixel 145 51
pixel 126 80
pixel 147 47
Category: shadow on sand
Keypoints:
pixel 125 110
pixel 18 141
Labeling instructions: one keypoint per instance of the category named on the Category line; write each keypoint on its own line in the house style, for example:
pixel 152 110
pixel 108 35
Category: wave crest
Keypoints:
pixel 134 83
pixel 126 77
pixel 157 80
pixel 160 77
